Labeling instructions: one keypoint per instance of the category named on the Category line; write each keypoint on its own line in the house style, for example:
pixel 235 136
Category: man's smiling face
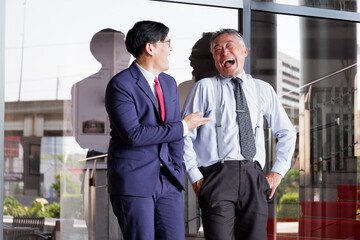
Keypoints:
pixel 229 55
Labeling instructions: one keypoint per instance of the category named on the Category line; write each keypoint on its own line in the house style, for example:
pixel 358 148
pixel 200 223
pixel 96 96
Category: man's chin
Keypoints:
pixel 230 74
pixel 227 75
pixel 165 68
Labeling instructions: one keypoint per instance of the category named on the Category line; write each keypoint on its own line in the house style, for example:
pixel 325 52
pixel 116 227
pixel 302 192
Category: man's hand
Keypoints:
pixel 197 186
pixel 274 179
pixel 193 120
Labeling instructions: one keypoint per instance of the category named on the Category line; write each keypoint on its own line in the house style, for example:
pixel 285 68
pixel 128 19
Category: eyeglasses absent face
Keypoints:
pixel 229 55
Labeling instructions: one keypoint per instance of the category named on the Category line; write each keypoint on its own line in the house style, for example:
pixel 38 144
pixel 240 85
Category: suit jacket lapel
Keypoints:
pixel 142 83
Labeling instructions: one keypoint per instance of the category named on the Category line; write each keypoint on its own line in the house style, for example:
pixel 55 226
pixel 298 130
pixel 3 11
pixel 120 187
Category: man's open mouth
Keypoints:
pixel 228 63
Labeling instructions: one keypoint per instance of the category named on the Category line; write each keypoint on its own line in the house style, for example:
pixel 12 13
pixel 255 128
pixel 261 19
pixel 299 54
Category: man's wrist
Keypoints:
pixel 194 175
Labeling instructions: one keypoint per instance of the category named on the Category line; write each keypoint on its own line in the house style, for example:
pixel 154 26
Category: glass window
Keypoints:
pixel 59 57
pixel 312 65
pixel 342 5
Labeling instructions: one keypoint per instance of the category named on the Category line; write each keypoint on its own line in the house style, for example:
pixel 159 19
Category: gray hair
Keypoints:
pixel 227 31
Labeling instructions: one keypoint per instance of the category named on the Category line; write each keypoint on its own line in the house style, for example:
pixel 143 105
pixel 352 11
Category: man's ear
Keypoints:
pixel 246 51
pixel 149 48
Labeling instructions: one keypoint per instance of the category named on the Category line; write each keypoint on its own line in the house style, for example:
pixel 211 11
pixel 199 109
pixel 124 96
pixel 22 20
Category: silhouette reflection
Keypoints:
pixel 203 65
pixel 90 122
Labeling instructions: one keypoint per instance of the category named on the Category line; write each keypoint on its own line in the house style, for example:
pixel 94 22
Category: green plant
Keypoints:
pixel 35 209
pixel 73 206
pixel 290 183
pixel 71 198
pixel 69 184
pixel 53 210
pixel 289 205
pixel 56 185
pixel 60 157
pixel 13 207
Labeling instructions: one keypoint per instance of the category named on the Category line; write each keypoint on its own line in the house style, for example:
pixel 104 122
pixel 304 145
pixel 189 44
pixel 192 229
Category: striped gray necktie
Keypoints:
pixel 247 140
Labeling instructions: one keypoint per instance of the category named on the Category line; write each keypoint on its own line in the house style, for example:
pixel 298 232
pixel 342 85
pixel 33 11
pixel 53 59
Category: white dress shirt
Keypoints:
pixel 150 79
pixel 201 143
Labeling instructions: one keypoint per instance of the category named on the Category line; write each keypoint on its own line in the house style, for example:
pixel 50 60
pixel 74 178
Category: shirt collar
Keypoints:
pixel 225 80
pixel 242 75
pixel 148 75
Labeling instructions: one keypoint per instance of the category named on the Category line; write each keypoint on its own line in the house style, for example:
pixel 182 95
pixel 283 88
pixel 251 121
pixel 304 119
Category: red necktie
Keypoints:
pixel 161 99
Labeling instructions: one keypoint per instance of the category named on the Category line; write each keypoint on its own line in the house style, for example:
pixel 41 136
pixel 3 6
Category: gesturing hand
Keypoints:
pixel 193 120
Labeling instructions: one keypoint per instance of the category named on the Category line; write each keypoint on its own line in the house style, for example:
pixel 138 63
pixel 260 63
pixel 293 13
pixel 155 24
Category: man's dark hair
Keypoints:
pixel 142 33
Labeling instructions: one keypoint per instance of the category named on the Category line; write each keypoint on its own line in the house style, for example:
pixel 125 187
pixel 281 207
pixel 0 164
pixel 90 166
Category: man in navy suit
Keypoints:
pixel 145 173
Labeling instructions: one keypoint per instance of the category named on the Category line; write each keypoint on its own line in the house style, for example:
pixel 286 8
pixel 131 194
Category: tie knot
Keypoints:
pixel 236 80
pixel 156 80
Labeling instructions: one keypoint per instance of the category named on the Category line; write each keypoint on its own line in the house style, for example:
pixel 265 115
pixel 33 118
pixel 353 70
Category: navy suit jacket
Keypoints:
pixel 139 142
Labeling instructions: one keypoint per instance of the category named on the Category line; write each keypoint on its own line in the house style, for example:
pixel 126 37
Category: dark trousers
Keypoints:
pixel 233 201
pixel 157 217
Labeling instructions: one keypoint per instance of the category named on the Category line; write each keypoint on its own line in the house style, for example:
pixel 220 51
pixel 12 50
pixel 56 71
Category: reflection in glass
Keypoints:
pixel 316 80
pixel 275 40
pixel 41 153
pixel 311 63
pixel 342 5
pixel 328 167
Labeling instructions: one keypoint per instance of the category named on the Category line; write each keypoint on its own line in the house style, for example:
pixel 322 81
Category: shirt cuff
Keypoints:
pixel 194 175
pixel 279 169
pixel 185 127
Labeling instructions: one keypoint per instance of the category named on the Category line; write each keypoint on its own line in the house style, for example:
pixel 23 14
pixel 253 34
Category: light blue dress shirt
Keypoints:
pixel 201 143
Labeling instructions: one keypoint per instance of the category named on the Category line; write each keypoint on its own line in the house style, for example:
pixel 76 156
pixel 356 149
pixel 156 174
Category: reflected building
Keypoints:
pixel 25 127
pixel 288 85
pixel 328 71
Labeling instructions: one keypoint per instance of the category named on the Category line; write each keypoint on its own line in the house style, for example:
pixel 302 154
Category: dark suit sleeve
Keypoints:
pixel 132 116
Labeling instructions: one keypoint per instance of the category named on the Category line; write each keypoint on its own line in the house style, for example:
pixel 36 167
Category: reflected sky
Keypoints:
pixel 47 42
pixel 57 34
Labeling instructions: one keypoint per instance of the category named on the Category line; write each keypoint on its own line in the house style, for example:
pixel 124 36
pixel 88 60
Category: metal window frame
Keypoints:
pixel 247 6
pixel 274 8
pixel 2 107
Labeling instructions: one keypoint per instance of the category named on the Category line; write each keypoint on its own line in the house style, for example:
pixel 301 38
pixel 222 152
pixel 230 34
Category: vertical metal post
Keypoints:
pixel 2 106
pixel 93 202
pixel 22 52
pixel 333 131
pixel 246 27
pixel 342 129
